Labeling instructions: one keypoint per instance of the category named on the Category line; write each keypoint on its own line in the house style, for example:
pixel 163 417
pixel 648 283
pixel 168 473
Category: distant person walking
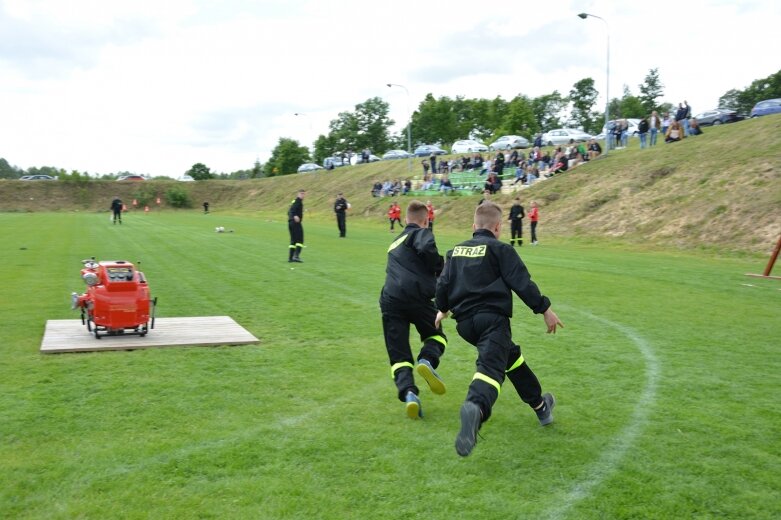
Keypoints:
pixel 394 216
pixel 340 208
pixel 205 208
pixel 534 218
pixel 116 208
pixel 431 215
pixel 295 215
pixel 516 223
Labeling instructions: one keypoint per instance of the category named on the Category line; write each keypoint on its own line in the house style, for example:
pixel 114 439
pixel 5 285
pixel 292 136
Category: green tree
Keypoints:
pixel 744 100
pixel 730 99
pixel 9 172
pixel 630 106
pixel 285 158
pixel 583 96
pixel 199 172
pixel 547 110
pixel 650 90
pixel 435 120
pixel 518 119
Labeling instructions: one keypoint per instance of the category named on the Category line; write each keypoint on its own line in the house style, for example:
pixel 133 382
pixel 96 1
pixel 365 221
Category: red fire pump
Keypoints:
pixel 117 300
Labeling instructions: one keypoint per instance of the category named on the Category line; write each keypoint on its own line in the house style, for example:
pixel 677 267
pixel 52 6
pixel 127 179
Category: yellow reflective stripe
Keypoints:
pixel 438 339
pixel 490 381
pixel 397 242
pixel 397 366
pixel 515 365
pixel 298 244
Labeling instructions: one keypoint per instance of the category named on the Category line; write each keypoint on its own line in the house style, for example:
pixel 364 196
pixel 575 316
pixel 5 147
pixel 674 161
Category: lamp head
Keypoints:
pixel 583 15
pixel 389 85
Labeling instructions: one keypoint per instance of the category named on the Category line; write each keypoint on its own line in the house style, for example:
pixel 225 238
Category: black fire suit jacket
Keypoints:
pixel 481 274
pixel 413 266
pixel 296 210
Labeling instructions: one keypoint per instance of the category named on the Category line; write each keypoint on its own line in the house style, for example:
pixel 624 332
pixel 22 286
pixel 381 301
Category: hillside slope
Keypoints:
pixel 721 190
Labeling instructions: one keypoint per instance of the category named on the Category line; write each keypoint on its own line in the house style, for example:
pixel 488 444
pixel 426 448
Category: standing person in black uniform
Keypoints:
pixel 516 223
pixel 407 298
pixel 340 208
pixel 116 208
pixel 476 284
pixel 294 217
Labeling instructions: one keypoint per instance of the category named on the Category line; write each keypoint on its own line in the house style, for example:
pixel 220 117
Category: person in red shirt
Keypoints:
pixel 534 217
pixel 394 215
pixel 430 207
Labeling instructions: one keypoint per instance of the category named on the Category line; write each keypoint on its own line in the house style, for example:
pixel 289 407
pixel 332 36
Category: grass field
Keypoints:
pixel 667 376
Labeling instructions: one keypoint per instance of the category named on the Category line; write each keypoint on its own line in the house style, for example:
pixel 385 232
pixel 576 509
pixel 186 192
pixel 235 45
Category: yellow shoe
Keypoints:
pixel 427 372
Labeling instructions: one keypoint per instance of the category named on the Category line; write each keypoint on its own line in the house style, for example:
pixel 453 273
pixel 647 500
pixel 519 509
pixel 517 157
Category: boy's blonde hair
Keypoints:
pixel 487 215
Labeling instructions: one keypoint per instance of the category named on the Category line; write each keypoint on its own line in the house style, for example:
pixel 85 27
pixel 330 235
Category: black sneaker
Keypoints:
pixel 296 259
pixel 470 423
pixel 546 414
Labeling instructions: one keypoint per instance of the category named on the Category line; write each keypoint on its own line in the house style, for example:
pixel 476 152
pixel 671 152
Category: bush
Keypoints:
pixel 178 198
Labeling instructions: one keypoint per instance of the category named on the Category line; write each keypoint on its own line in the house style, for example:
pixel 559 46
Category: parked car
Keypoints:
pixel 358 159
pixel 132 178
pixel 508 142
pixel 185 178
pixel 37 178
pixel 309 167
pixel 563 135
pixel 718 116
pixel 768 106
pixel 425 150
pixel 395 154
pixel 468 146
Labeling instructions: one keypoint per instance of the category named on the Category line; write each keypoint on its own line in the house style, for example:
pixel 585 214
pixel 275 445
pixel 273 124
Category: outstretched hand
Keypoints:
pixel 552 321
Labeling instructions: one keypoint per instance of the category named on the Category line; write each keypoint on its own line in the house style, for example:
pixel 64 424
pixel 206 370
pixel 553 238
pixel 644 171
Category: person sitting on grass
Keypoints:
pixel 674 133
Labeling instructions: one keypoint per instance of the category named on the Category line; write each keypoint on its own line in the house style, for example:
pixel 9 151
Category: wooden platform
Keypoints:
pixel 71 336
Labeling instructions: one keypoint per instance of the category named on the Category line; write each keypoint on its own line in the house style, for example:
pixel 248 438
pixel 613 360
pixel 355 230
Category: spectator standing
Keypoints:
pixel 477 285
pixel 687 115
pixel 116 210
pixel 666 122
pixel 516 223
pixel 295 216
pixel 205 207
pixel 654 124
pixel 394 215
pixel 340 208
pixel 534 219
pixel 433 162
pixel 426 166
pixel 642 130
pixel 406 299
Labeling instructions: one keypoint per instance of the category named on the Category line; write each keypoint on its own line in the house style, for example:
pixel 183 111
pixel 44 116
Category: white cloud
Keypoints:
pixel 156 87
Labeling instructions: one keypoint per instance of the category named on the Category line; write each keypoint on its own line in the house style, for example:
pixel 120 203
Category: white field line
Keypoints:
pixel 606 464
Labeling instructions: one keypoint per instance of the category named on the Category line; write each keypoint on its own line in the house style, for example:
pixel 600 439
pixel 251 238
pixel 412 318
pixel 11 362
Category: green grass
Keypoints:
pixel 667 376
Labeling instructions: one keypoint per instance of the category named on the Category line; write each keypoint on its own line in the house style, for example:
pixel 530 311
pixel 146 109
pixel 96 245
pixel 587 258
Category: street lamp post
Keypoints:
pixel 607 81
pixel 409 126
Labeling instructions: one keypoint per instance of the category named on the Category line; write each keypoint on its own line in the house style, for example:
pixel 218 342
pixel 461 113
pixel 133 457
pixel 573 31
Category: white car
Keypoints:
pixel 563 136
pixel 309 167
pixel 468 146
pixel 185 178
pixel 508 142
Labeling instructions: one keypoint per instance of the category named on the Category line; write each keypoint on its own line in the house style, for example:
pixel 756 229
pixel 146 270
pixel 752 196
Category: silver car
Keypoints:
pixel 508 142
pixel 468 146
pixel 309 167
pixel 563 136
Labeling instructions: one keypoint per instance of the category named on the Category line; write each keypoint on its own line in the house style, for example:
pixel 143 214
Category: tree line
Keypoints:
pixel 444 120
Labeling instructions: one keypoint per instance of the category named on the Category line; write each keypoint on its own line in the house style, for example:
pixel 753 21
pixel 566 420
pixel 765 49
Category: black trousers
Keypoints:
pixel 393 221
pixel 341 221
pixel 296 238
pixel 497 357
pixel 396 320
pixel 117 215
pixel 516 230
pixel 534 230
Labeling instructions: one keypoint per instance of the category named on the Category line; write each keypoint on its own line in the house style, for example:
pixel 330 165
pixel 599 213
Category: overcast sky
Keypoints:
pixel 153 87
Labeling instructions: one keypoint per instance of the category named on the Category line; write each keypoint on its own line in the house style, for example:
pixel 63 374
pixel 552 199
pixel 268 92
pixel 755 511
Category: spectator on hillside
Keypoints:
pixel 694 127
pixel 387 189
pixel 617 135
pixel 465 163
pixel 686 116
pixel 532 174
pixel 445 185
pixel 520 174
pixel 513 159
pixel 426 167
pixel 642 131
pixel 499 164
pixel 654 124
pixel 377 189
pixel 433 163
pixel 624 133
pixel 666 122
pixel 407 187
pixel 560 164
pixel 477 161
pixel 674 133
pixel 428 181
pixel 492 183
pixel 594 150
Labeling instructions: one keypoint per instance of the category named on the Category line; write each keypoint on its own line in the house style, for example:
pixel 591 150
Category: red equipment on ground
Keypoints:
pixel 117 300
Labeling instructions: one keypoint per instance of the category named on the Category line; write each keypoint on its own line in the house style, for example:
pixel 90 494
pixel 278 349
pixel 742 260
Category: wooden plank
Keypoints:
pixel 71 336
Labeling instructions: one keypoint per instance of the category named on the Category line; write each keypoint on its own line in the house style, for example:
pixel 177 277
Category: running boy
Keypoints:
pixel 477 283
pixel 410 282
